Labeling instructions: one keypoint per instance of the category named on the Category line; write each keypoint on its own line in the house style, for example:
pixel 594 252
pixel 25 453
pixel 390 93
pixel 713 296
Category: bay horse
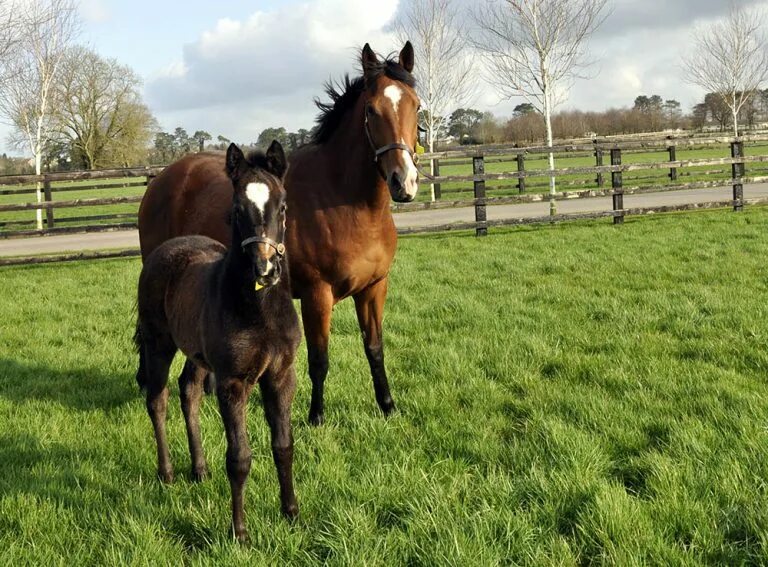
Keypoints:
pixel 340 230
pixel 231 312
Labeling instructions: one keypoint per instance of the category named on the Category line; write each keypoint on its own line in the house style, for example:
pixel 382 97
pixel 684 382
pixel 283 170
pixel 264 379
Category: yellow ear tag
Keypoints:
pixel 419 148
pixel 257 286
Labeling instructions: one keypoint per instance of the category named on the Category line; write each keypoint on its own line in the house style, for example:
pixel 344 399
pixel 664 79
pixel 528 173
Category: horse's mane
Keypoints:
pixel 344 95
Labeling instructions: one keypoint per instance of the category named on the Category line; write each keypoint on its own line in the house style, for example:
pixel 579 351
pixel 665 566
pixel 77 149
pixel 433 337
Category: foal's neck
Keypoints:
pixel 238 278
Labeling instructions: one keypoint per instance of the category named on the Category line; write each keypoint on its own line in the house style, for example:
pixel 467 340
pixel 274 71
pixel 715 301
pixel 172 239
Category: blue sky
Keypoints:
pixel 237 67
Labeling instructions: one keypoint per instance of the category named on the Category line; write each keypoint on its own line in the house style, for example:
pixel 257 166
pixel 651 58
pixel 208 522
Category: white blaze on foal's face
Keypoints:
pixel 258 193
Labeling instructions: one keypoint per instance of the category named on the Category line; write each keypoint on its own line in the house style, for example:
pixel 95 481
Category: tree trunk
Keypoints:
pixel 550 143
pixel 39 185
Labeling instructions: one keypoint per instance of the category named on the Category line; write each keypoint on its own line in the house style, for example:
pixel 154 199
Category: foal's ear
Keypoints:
pixel 277 165
pixel 369 60
pixel 406 57
pixel 234 158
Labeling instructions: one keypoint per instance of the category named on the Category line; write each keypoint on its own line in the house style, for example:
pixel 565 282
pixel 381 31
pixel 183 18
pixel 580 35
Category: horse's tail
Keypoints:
pixel 141 373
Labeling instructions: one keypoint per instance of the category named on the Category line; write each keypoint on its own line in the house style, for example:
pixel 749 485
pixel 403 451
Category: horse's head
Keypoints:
pixel 258 209
pixel 391 120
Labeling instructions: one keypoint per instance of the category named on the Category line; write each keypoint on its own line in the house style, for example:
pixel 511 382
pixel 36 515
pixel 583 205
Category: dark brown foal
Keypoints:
pixel 231 313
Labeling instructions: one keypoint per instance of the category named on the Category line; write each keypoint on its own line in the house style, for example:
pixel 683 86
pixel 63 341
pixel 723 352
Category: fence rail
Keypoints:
pixel 607 177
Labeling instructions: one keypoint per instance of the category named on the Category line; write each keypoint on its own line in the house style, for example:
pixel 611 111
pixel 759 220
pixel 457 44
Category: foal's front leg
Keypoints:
pixel 191 392
pixel 277 394
pixel 233 394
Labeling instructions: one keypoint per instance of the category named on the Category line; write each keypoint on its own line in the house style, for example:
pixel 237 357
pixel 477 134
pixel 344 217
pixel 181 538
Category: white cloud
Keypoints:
pixel 94 11
pixel 243 76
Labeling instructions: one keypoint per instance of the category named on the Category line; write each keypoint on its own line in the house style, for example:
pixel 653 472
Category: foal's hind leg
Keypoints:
pixel 277 394
pixel 369 304
pixel 233 402
pixel 157 364
pixel 191 391
pixel 316 309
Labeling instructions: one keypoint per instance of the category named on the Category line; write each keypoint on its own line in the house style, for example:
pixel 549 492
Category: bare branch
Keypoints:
pixel 730 58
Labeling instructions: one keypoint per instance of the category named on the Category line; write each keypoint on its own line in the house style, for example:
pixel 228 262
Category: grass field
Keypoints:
pixel 567 395
pixel 451 191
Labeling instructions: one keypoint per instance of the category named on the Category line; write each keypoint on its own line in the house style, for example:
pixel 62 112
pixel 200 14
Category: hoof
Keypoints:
pixel 291 512
pixel 242 537
pixel 165 476
pixel 316 419
pixel 388 407
pixel 199 474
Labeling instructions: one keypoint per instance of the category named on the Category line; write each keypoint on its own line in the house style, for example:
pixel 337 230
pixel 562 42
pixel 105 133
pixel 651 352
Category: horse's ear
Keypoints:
pixel 368 60
pixel 235 157
pixel 277 165
pixel 406 57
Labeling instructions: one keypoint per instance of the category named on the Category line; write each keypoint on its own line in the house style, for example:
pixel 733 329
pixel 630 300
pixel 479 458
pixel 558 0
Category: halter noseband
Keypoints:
pixel 278 246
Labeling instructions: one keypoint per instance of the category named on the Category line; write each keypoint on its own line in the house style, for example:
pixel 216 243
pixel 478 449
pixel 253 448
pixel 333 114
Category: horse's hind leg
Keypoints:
pixel 369 304
pixel 157 364
pixel 191 392
pixel 316 313
pixel 277 394
pixel 232 394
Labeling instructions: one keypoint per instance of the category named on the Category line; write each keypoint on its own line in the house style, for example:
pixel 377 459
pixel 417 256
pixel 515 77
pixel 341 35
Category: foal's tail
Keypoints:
pixel 141 373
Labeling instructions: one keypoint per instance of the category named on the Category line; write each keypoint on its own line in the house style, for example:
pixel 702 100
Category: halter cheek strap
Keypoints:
pixel 278 246
pixel 377 152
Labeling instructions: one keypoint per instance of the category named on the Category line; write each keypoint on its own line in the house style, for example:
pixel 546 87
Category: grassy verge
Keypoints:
pixel 567 395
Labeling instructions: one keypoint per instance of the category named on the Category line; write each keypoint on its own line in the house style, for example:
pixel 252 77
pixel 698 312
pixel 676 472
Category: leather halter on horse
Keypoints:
pixel 388 148
pixel 278 246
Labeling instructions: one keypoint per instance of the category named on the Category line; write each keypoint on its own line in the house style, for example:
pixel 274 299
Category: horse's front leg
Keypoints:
pixel 232 394
pixel 277 394
pixel 369 304
pixel 191 392
pixel 316 309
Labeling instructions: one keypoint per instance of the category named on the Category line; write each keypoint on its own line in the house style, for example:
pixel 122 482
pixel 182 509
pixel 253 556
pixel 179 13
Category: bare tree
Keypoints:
pixel 443 72
pixel 9 29
pixel 100 112
pixel 729 58
pixel 45 28
pixel 536 49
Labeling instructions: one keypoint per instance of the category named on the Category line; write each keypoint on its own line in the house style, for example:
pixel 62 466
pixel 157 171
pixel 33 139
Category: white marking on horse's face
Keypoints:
pixel 258 193
pixel 410 174
pixel 394 94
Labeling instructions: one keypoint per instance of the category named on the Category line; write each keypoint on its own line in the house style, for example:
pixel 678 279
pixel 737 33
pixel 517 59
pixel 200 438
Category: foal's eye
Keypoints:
pixel 369 109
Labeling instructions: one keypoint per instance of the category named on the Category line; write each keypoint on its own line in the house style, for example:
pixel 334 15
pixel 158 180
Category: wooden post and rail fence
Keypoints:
pixel 484 193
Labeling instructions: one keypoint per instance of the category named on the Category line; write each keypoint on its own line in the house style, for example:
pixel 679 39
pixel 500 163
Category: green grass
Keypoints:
pixel 567 395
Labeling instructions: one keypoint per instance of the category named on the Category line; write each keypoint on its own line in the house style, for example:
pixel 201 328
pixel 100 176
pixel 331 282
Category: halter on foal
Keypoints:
pixel 229 311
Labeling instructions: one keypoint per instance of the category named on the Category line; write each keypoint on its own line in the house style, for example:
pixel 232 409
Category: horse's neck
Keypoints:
pixel 356 174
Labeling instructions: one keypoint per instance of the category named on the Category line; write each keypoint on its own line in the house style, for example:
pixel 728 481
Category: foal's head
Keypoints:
pixel 391 119
pixel 258 208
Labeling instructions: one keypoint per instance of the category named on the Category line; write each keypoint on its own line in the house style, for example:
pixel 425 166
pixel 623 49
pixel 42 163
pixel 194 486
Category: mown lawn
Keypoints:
pixel 567 395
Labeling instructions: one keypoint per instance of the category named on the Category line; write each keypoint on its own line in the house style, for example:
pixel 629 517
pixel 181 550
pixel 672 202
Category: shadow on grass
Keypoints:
pixel 78 388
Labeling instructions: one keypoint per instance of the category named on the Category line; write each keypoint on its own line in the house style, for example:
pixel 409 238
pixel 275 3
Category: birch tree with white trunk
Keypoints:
pixel 535 49
pixel 443 70
pixel 730 58
pixel 45 29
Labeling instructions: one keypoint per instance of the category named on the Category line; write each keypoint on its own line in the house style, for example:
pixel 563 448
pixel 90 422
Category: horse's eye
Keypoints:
pixel 283 207
pixel 369 109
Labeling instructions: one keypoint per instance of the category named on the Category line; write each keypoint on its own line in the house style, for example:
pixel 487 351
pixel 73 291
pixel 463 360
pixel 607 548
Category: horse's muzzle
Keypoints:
pixel 398 189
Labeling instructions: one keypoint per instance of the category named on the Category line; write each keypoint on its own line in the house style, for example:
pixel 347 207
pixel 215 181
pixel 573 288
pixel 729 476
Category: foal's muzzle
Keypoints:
pixel 267 270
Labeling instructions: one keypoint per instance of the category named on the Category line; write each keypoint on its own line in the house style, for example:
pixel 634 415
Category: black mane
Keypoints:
pixel 344 95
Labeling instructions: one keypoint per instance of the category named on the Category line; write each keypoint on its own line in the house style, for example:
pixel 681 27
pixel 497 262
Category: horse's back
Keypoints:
pixel 190 196
pixel 174 274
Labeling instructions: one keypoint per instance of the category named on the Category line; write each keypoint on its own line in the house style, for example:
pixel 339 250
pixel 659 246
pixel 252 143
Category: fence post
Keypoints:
pixel 737 172
pixel 478 169
pixel 672 157
pixel 436 173
pixel 618 191
pixel 521 169
pixel 48 199
pixel 599 162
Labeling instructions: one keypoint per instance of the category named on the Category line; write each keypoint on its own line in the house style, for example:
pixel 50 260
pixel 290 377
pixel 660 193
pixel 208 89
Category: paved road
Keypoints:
pixel 130 239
